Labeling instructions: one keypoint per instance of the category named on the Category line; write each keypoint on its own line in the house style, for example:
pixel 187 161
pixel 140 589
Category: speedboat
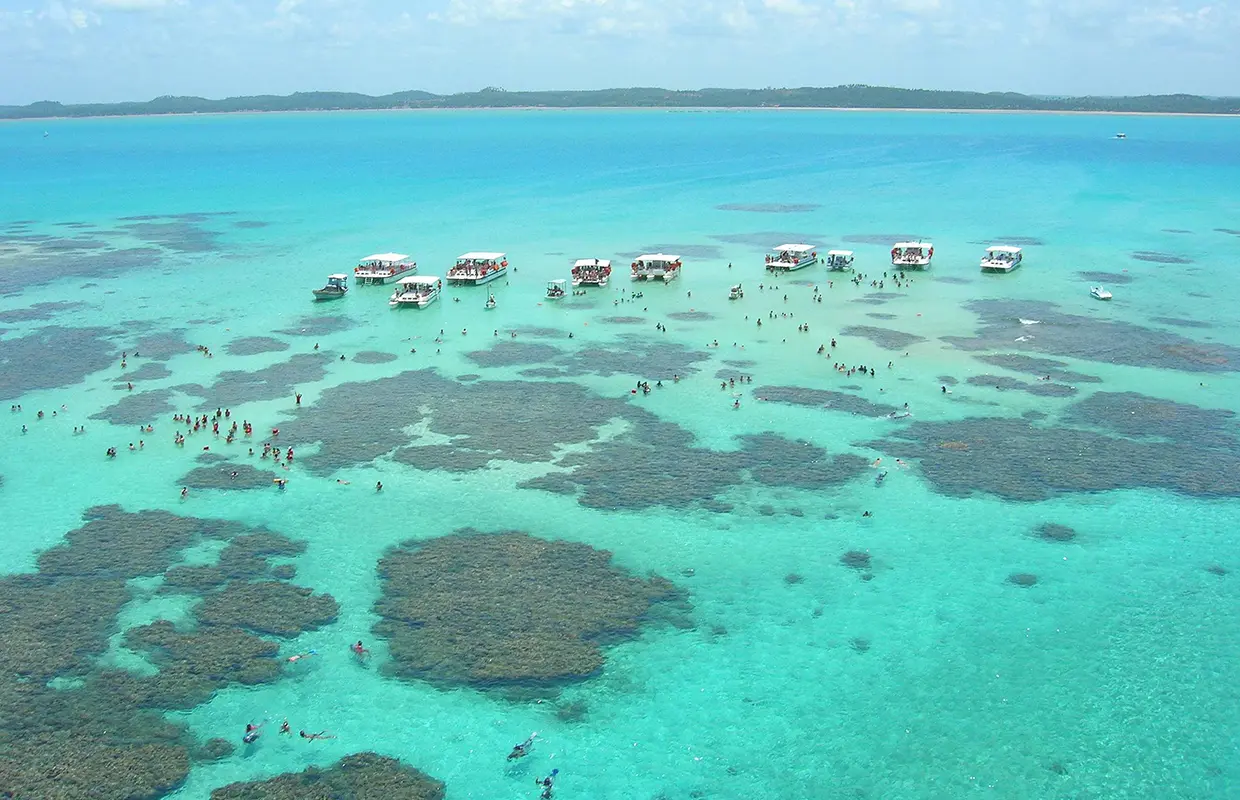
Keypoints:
pixel 736 292
pixel 337 286
pixel 416 290
pixel 912 254
pixel 555 289
pixel 1121 136
pixel 788 257
pixel 1001 258
pixel 490 302
pixel 1098 293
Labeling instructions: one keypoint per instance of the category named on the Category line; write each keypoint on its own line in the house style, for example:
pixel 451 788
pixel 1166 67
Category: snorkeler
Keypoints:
pixel 547 783
pixel 295 658
pixel 252 732
pixel 319 735
pixel 523 749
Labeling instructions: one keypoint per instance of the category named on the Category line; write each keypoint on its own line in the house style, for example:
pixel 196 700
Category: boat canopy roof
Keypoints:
pixel 913 245
pixel 338 277
pixel 658 257
pixel 556 282
pixel 480 257
pixel 840 253
pixel 385 257
pixel 418 279
pixel 795 248
pixel 1003 248
pixel 592 262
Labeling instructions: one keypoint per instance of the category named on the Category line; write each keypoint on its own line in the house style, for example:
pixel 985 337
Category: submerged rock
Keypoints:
pixel 363 776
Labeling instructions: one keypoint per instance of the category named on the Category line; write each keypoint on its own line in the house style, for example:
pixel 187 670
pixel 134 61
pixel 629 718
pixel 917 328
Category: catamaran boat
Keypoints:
pixel 383 268
pixel 912 254
pixel 475 269
pixel 490 303
pixel 839 260
pixel 591 272
pixel 416 290
pixel 337 286
pixel 788 257
pixel 1098 293
pixel 555 289
pixel 1001 258
pixel 736 292
pixel 655 265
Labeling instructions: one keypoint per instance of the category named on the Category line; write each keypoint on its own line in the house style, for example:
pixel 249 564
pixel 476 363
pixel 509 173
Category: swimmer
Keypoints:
pixel 343 481
pixel 523 749
pixel 184 492
pixel 284 728
pixel 378 486
pixel 294 659
pixel 358 650
pixel 901 464
pixel 547 783
pixel 319 735
pixel 252 732
pixel 876 463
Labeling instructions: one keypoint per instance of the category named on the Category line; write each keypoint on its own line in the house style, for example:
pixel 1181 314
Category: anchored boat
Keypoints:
pixel 839 260
pixel 475 269
pixel 655 266
pixel 591 272
pixel 337 287
pixel 555 289
pixel 1001 258
pixel 383 268
pixel 912 254
pixel 789 257
pixel 416 290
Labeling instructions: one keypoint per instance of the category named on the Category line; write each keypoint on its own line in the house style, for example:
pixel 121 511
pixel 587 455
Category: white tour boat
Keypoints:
pixel 474 269
pixel 1098 293
pixel 839 260
pixel 1001 258
pixel 912 254
pixel 416 290
pixel 490 303
pixel 383 268
pixel 337 286
pixel 788 257
pixel 591 272
pixel 655 265
pixel 736 292
pixel 555 289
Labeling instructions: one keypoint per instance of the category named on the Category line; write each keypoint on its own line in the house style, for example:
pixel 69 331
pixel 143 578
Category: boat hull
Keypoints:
pixel 321 295
pixel 789 266
pixel 997 268
pixel 919 263
pixel 379 278
pixel 476 280
pixel 667 276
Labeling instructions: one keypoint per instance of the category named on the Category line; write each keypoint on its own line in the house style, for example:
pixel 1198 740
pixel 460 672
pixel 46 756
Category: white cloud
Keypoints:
pixel 794 8
pixel 132 5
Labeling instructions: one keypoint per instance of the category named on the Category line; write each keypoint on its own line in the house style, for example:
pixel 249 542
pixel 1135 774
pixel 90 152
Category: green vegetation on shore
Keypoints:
pixel 853 96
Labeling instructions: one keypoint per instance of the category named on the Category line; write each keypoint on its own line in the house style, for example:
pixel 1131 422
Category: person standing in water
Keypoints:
pixel 547 783
pixel 361 652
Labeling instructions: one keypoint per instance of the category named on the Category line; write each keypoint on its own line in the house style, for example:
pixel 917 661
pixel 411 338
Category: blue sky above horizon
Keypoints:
pixel 110 50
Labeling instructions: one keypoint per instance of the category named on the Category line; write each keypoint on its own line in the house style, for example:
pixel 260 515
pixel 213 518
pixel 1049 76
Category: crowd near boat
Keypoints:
pixel 476 268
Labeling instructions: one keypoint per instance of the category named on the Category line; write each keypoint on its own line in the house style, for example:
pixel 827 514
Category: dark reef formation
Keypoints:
pixel 363 776
pixel 516 611
pixel 74 728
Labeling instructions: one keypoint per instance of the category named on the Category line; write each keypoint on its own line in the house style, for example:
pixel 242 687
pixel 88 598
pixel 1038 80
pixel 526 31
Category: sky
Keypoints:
pixel 113 50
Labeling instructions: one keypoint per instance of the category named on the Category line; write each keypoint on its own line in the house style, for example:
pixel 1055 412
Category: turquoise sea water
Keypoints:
pixel 1114 676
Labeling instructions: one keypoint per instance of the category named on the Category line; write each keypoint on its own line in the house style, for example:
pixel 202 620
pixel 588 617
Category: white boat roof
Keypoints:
pixel 840 253
pixel 386 257
pixel 592 262
pixel 412 279
pixel 658 257
pixel 480 257
pixel 906 245
pixel 557 282
pixel 1003 248
pixel 338 277
pixel 795 248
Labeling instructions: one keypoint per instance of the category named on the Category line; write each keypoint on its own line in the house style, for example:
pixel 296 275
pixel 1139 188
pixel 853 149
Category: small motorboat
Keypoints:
pixel 1098 293
pixel 1121 136
pixel 490 301
pixel 736 292
pixel 337 286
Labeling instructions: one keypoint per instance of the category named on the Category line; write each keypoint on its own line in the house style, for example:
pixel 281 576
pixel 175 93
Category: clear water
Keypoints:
pixel 1113 677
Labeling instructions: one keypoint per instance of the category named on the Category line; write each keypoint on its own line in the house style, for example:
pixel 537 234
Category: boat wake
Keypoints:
pixel 1024 321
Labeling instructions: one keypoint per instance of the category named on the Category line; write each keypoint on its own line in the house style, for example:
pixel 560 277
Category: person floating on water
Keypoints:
pixel 358 650
pixel 319 735
pixel 299 657
pixel 252 732
pixel 547 783
pixel 522 750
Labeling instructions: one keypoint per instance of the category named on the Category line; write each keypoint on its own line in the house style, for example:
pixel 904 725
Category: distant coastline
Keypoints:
pixel 843 98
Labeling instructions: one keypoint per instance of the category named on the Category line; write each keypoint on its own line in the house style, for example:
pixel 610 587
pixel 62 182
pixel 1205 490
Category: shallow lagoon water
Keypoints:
pixel 931 674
